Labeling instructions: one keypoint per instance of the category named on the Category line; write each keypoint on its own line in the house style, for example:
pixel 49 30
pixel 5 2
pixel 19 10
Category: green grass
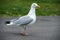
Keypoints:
pixel 22 7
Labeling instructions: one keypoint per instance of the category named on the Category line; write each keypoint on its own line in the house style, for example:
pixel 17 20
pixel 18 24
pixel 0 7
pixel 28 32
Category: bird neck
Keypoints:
pixel 32 12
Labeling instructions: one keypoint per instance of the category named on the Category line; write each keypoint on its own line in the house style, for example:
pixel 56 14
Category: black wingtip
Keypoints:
pixel 7 22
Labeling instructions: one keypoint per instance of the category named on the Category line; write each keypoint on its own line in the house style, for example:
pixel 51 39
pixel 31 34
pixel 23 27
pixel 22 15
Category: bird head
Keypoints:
pixel 35 5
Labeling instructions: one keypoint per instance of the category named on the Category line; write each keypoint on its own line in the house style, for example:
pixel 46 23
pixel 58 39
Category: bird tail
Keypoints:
pixel 8 23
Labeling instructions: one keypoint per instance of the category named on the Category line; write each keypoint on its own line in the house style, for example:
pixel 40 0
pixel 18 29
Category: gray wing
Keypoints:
pixel 24 20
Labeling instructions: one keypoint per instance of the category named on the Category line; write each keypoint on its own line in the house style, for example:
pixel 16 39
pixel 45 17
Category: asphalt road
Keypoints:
pixel 45 28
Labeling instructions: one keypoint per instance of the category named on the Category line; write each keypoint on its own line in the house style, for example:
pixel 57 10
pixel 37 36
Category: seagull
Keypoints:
pixel 28 19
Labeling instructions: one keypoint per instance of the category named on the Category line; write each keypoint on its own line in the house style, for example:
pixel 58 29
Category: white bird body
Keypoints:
pixel 32 14
pixel 28 19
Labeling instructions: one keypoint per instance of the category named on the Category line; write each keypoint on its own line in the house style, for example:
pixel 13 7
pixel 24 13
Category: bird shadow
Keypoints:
pixel 20 34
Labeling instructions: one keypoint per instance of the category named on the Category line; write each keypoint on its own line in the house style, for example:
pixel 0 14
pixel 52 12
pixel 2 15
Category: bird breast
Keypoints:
pixel 34 19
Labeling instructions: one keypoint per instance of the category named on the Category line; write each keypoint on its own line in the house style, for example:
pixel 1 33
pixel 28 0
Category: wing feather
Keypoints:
pixel 24 20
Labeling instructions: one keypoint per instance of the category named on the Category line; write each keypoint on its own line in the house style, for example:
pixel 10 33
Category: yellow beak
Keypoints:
pixel 37 6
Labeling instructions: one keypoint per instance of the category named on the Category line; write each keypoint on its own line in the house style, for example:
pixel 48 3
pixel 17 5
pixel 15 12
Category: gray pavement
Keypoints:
pixel 45 28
